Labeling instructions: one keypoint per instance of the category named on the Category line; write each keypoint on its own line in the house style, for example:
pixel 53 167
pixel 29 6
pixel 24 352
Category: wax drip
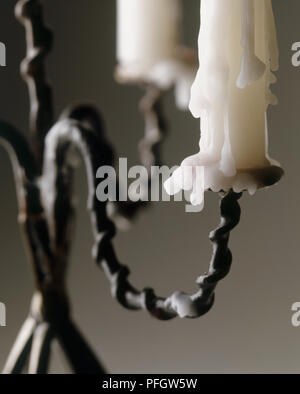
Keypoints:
pixel 227 163
pixel 272 52
pixel 252 68
pixel 271 36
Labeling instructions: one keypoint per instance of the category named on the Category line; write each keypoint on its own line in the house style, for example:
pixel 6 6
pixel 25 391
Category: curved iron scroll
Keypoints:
pixel 49 316
pixel 94 152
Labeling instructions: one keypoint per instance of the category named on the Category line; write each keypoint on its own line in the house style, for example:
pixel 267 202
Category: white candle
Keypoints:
pixel 149 39
pixel 149 32
pixel 237 52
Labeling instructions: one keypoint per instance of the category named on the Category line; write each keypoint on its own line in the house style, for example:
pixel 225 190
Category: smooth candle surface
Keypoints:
pixel 149 46
pixel 148 33
pixel 237 52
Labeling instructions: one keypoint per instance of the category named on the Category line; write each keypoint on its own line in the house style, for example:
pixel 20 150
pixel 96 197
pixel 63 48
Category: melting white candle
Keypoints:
pixel 237 52
pixel 149 39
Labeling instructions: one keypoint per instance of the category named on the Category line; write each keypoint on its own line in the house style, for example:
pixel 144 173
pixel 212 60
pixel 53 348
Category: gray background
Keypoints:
pixel 249 330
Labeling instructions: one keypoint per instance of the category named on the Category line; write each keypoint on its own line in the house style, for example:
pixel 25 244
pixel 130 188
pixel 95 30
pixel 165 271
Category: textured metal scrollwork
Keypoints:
pixel 39 43
pixel 94 154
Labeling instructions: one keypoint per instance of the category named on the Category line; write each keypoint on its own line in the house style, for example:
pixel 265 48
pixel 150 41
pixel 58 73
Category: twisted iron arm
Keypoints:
pixel 94 152
pixel 155 130
pixel 39 43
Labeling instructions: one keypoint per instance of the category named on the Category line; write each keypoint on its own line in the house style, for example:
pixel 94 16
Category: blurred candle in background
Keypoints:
pixel 148 33
pixel 231 93
pixel 149 46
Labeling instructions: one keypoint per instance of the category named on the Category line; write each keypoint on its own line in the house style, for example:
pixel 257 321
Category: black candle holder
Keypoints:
pixel 46 220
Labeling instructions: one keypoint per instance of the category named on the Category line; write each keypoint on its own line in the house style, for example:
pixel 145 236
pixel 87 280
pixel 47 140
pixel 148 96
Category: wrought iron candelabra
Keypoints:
pixel 44 180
